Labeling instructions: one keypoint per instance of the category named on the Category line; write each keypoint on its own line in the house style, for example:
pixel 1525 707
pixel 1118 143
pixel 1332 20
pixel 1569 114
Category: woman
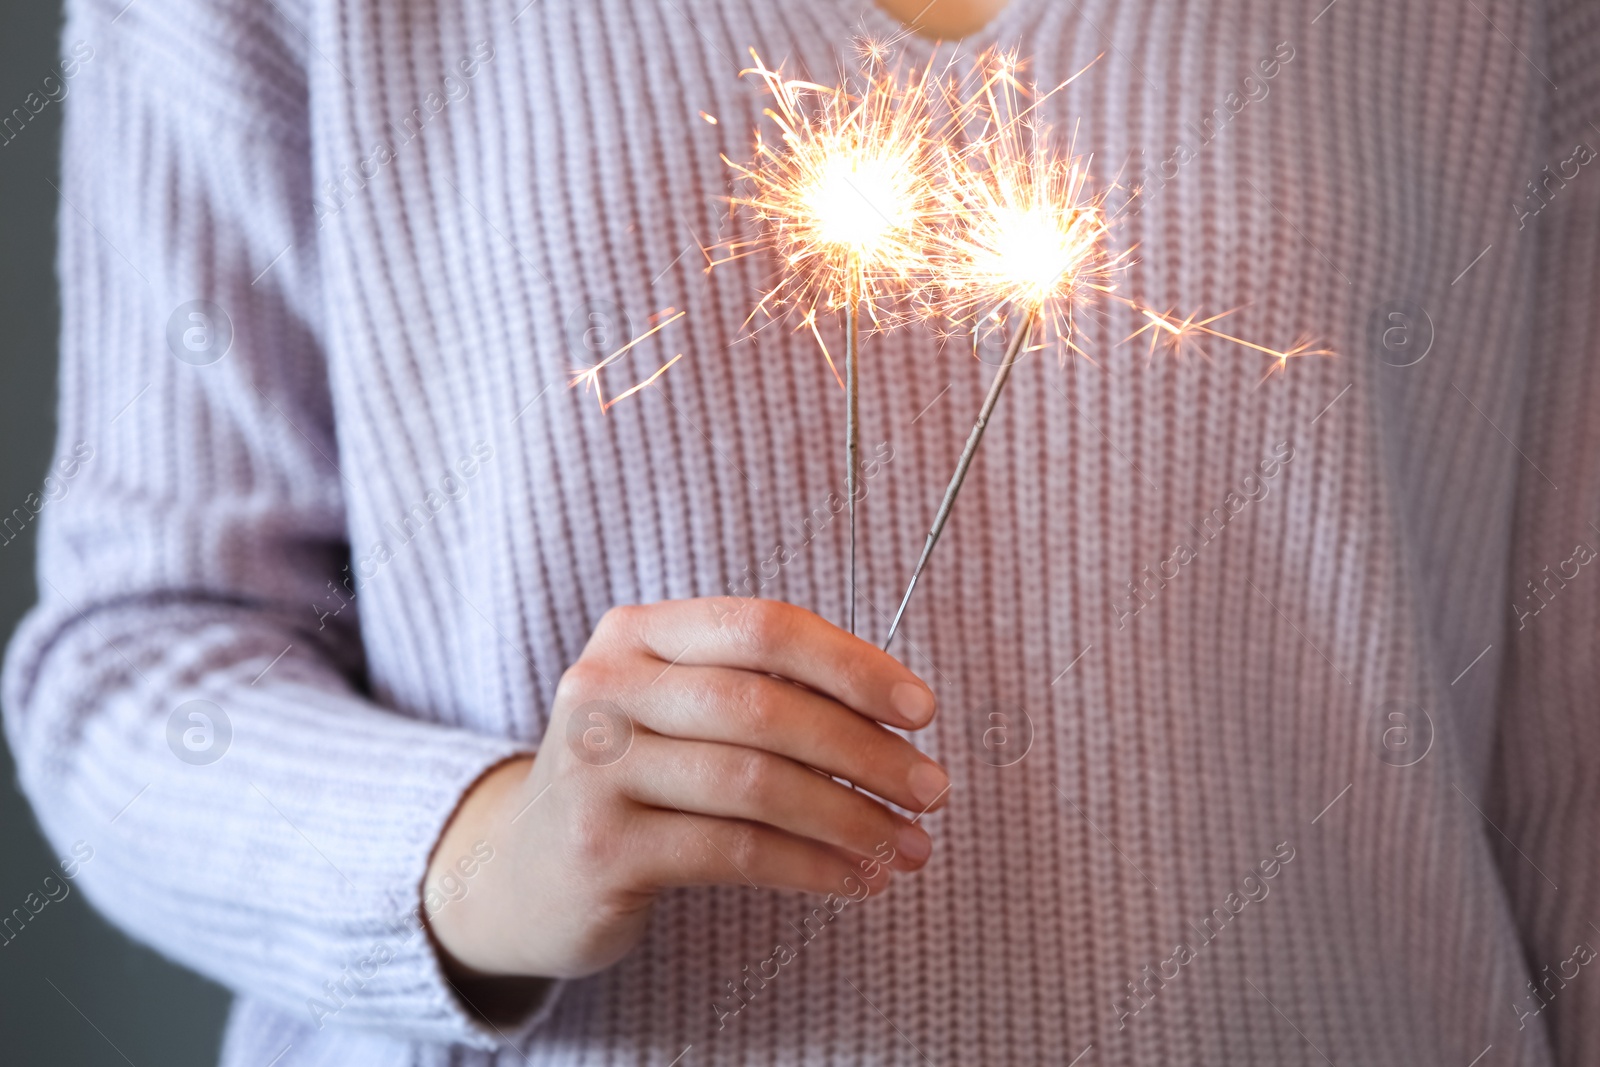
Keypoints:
pixel 448 719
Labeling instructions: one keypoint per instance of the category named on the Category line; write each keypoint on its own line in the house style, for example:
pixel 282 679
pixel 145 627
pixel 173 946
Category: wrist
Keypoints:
pixel 451 896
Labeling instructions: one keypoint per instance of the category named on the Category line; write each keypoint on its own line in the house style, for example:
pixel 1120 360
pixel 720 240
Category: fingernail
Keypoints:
pixel 928 782
pixel 913 843
pixel 912 702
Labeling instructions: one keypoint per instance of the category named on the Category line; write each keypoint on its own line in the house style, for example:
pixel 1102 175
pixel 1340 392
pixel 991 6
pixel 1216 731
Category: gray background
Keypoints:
pixel 114 1002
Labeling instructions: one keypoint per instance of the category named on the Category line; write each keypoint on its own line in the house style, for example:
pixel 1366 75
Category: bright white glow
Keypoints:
pixel 860 201
pixel 1035 253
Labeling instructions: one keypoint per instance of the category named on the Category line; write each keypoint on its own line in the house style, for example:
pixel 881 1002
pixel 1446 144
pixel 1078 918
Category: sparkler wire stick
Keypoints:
pixel 852 431
pixel 1013 352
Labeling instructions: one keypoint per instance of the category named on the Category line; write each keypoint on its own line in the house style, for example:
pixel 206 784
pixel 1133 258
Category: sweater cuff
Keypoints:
pixel 394 976
pixel 509 1009
pixel 294 841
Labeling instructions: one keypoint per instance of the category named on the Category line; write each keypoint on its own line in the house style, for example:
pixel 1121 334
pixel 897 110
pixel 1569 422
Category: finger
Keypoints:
pixel 688 850
pixel 742 707
pixel 777 638
pixel 732 782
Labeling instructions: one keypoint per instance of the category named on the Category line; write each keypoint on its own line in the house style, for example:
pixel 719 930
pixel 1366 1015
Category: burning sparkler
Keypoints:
pixel 1026 239
pixel 951 199
pixel 1027 236
pixel 845 198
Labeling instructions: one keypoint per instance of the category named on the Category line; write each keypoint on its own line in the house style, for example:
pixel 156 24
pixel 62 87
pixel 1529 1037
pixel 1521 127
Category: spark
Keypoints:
pixel 606 405
pixel 589 377
pixel 1025 245
pixel 845 196
pixel 1025 232
pixel 844 199
pixel 873 51
pixel 1173 334
pixel 810 322
pixel 1176 334
pixel 942 199
pixel 1026 237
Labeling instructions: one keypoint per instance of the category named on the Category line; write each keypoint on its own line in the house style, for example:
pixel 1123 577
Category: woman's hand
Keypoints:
pixel 684 748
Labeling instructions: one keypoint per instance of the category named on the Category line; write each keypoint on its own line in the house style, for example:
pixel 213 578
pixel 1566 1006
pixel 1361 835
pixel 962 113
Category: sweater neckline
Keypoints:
pixel 879 23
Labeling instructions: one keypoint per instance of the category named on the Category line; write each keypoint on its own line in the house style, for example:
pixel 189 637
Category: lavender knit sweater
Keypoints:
pixel 1303 671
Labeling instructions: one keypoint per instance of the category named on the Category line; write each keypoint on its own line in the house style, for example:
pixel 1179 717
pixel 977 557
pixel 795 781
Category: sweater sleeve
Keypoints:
pixel 1545 800
pixel 177 703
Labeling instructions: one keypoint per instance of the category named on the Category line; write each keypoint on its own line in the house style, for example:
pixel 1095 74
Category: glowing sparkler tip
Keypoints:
pixel 1026 231
pixel 845 194
pixel 865 195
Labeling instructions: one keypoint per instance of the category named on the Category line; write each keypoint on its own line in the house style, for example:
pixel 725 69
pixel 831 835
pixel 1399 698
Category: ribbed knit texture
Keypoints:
pixel 430 312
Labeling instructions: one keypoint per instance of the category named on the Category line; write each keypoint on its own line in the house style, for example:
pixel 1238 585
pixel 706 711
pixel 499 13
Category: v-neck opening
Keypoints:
pixel 878 23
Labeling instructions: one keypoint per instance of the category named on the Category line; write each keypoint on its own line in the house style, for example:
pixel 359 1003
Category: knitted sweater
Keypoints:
pixel 1269 705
